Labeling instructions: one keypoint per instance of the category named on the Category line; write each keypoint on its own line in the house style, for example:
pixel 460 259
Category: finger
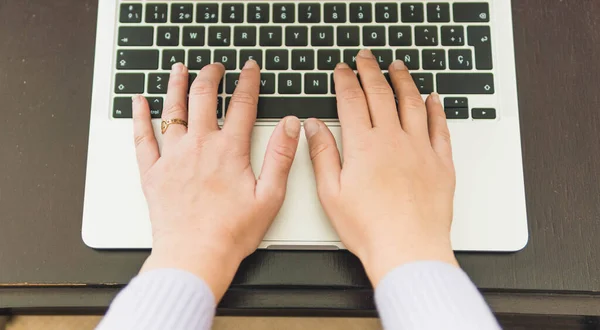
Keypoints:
pixel 203 99
pixel 439 134
pixel 279 157
pixel 146 147
pixel 325 156
pixel 176 102
pixel 353 110
pixel 241 114
pixel 379 94
pixel 413 114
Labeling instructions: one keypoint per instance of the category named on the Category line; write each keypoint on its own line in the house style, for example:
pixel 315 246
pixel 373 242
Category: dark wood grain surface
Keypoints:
pixel 46 68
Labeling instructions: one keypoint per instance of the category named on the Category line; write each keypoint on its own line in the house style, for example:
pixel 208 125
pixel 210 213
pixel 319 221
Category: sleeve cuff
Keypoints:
pixel 162 299
pixel 431 295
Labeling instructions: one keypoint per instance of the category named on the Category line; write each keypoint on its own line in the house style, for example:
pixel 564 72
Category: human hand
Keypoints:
pixel 208 210
pixel 391 199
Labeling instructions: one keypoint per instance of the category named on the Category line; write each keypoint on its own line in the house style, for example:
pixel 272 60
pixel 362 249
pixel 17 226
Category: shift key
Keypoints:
pixel 465 83
pixel 137 59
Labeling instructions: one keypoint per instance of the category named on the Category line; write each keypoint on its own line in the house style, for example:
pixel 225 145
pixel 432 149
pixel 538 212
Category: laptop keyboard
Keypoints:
pixel 447 47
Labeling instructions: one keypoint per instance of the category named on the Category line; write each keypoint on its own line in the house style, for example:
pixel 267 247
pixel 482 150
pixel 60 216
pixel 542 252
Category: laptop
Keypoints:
pixel 462 50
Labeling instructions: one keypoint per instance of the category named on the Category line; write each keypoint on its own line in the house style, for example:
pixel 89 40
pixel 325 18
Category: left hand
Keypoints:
pixel 208 210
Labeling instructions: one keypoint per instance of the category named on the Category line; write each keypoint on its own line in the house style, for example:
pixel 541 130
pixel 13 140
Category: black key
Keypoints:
pixel 207 13
pixel 290 83
pixel 438 12
pixel 251 54
pixel 167 36
pixel 335 12
pixel 460 59
pixel 424 82
pixel 267 83
pixel 361 12
pixel 227 57
pixel 309 13
pixel 219 36
pixel 284 13
pixel 129 83
pixel 277 107
pixel 219 107
pixel 244 36
pixel 374 36
pixel 386 75
pixel 156 13
pixel 198 58
pixel 181 12
pixel 231 82
pixel 350 57
pixel 348 36
pixel 480 37
pixel 322 36
pixel 303 59
pixel 156 106
pixel 471 12
pixel 131 13
pixel 386 12
pixel 410 57
pixel 456 102
pixel 157 83
pixel 122 107
pixel 465 83
pixel 233 13
pixel 483 113
pixel 276 59
pixel 412 12
pixel 136 36
pixel 327 59
pixel 193 35
pixel 138 59
pixel 453 35
pixel 332 84
pixel 426 35
pixel 191 77
pixel 400 36
pixel 434 59
pixel 457 113
pixel 384 57
pixel 296 36
pixel 172 56
pixel 271 36
pixel 258 13
pixel 315 83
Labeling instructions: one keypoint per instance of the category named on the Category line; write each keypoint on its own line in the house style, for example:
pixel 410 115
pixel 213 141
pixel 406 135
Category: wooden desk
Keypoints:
pixel 46 70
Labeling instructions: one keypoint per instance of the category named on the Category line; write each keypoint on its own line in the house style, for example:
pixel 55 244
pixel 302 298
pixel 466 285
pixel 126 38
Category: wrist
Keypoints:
pixel 383 257
pixel 216 264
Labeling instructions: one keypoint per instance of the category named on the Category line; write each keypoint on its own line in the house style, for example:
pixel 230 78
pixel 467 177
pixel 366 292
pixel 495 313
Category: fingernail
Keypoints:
pixel 435 97
pixel 292 127
pixel 250 64
pixel 399 65
pixel 342 66
pixel 366 53
pixel 177 68
pixel 311 127
pixel 135 98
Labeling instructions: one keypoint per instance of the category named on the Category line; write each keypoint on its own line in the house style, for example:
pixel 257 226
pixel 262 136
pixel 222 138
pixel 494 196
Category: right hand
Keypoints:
pixel 391 199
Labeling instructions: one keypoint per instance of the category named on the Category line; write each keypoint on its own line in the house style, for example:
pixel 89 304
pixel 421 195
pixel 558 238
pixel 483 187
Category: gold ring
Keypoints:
pixel 165 124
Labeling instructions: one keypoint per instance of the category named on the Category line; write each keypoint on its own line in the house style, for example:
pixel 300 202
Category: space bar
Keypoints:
pixel 271 107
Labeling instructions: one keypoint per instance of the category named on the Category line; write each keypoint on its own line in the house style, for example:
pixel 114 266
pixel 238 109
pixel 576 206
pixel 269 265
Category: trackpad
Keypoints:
pixel 301 217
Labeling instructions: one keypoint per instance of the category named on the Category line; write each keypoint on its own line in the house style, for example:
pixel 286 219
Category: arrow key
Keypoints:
pixel 136 36
pixel 157 83
pixel 481 113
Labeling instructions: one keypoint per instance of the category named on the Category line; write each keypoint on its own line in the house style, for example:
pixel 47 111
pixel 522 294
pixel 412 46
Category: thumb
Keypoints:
pixel 325 156
pixel 278 159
